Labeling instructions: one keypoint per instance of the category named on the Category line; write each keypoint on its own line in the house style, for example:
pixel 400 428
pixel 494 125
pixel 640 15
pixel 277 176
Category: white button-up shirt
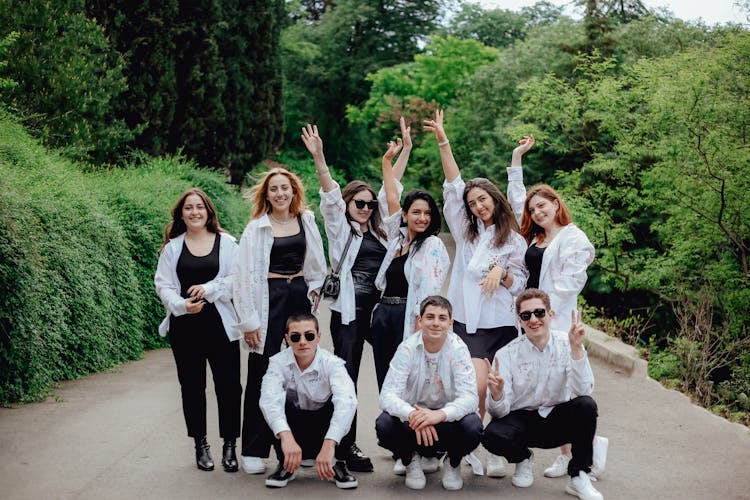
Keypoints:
pixel 564 262
pixel 539 380
pixel 472 264
pixel 405 381
pixel 326 378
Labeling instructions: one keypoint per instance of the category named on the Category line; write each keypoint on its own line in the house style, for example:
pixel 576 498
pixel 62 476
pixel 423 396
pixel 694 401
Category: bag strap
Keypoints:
pixel 343 255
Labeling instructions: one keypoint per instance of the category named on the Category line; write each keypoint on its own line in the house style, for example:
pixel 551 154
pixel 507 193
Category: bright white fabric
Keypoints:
pixel 217 291
pixel 326 378
pixel 405 380
pixel 564 262
pixel 539 380
pixel 472 263
pixel 251 273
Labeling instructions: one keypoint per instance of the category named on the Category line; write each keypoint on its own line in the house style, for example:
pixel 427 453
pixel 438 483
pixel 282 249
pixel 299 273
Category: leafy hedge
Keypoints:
pixel 78 252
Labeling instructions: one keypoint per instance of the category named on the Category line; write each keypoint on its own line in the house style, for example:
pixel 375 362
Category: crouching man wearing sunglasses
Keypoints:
pixel 308 401
pixel 529 387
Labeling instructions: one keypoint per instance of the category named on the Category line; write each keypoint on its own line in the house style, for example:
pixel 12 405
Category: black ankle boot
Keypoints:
pixel 229 456
pixel 203 454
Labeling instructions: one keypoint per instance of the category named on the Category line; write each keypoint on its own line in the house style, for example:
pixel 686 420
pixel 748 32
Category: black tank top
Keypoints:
pixel 192 270
pixel 370 256
pixel 533 258
pixel 288 252
pixel 396 285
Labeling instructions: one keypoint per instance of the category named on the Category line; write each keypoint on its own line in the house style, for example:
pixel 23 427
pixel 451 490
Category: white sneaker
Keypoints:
pixel 476 464
pixel 559 467
pixel 430 464
pixel 415 479
pixel 581 487
pixel 252 465
pixel 600 456
pixel 523 477
pixel 497 466
pixel 452 477
pixel 398 468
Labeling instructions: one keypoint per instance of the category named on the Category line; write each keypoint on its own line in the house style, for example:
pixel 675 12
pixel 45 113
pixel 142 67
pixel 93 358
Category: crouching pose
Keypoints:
pixel 308 401
pixel 429 398
pixel 529 396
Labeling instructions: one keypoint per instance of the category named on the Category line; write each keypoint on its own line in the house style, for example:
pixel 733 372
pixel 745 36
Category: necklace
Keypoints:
pixel 280 222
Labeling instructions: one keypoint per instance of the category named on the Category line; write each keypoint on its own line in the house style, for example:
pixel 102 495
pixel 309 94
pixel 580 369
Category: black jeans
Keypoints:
pixel 457 438
pixel 285 297
pixel 572 422
pixel 309 428
pixel 387 333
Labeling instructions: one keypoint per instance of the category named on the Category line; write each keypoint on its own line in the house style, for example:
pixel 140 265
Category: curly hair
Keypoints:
pixel 435 220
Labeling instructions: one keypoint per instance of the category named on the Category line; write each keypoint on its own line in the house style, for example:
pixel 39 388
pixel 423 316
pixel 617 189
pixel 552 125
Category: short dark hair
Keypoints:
pixel 533 293
pixel 436 301
pixel 302 316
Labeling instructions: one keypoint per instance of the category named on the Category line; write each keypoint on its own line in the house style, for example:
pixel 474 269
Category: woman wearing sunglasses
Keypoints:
pixel 280 270
pixel 558 256
pixel 194 281
pixel 357 243
pixel 488 269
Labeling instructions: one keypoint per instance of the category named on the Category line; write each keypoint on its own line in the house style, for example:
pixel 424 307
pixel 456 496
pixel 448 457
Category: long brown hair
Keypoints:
pixel 529 228
pixel 177 226
pixel 258 194
pixel 348 193
pixel 502 215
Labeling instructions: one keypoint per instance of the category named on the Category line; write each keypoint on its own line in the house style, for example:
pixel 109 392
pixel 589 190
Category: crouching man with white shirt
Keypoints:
pixel 429 398
pixel 529 396
pixel 308 400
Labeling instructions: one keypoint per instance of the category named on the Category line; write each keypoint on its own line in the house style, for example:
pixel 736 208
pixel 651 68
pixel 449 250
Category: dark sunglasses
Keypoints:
pixel 526 315
pixel 372 205
pixel 296 337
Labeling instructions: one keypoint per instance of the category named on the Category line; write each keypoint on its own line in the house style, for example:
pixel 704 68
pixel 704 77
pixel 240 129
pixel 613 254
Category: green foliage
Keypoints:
pixel 66 75
pixel 6 84
pixel 664 365
pixel 494 28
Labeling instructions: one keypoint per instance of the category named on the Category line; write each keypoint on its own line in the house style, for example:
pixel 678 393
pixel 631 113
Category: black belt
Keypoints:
pixel 393 300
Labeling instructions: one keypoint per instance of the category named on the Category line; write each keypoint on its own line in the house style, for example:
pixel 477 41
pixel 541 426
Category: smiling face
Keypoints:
pixel 361 215
pixel 481 205
pixel 537 329
pixel 194 213
pixel 417 217
pixel 543 211
pixel 279 193
pixel 435 323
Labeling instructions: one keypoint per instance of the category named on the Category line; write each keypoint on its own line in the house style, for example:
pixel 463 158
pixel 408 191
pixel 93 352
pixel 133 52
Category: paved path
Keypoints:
pixel 121 435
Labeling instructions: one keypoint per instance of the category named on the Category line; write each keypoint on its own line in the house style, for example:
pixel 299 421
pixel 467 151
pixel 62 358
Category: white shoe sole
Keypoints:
pixel 273 483
pixel 347 486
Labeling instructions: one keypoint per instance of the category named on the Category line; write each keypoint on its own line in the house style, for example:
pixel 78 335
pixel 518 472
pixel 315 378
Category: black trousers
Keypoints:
pixel 195 339
pixel 285 297
pixel 572 422
pixel 387 333
pixel 456 438
pixel 309 428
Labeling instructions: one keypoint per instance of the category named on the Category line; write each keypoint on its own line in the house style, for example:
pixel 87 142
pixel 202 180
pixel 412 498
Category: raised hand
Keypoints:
pixel 312 140
pixel 393 149
pixel 405 133
pixel 495 382
pixel 576 334
pixel 524 145
pixel 436 126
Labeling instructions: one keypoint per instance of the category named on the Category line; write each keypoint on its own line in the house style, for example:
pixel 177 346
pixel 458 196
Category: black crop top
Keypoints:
pixel 192 270
pixel 370 256
pixel 288 252
pixel 396 285
pixel 533 258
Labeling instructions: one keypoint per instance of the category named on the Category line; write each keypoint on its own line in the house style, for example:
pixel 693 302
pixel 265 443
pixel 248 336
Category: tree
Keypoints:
pixel 494 28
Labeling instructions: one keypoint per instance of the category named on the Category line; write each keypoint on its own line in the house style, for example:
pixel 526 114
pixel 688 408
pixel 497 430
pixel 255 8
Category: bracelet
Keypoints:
pixel 444 143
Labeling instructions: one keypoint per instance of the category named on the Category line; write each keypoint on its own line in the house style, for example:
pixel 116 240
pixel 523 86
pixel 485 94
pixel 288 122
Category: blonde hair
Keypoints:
pixel 258 194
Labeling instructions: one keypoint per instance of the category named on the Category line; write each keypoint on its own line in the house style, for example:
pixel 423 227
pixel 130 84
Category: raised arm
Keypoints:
pixel 516 188
pixel 389 179
pixel 400 167
pixel 314 145
pixel 450 167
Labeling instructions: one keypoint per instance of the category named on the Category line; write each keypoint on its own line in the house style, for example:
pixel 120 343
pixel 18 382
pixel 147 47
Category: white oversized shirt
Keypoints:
pixel 326 378
pixel 251 273
pixel 406 378
pixel 217 291
pixel 472 264
pixel 539 380
pixel 564 262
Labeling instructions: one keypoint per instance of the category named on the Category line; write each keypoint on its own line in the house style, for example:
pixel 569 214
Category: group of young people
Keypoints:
pixel 440 363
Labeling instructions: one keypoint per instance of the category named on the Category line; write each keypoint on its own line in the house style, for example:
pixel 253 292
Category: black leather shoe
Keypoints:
pixel 229 456
pixel 280 478
pixel 341 476
pixel 203 454
pixel 358 461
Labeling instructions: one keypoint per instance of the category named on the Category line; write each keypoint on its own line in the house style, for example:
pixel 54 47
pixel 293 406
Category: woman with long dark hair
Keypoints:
pixel 280 270
pixel 488 269
pixel 194 281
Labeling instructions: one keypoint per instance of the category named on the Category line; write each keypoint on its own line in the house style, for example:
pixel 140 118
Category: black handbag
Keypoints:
pixel 332 283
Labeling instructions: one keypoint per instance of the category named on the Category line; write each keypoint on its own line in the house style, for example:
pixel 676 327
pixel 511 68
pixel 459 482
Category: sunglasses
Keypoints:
pixel 296 337
pixel 526 315
pixel 372 205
